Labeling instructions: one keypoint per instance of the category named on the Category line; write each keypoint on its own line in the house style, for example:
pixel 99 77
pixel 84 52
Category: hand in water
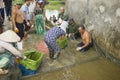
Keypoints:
pixel 78 48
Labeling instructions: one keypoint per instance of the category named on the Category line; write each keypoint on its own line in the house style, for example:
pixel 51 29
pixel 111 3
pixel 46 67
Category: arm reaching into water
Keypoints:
pixel 12 49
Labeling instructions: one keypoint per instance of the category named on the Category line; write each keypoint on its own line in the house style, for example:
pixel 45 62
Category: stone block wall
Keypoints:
pixel 102 19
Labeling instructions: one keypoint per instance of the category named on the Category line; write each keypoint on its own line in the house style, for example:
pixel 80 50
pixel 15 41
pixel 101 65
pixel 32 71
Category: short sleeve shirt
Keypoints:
pixel 25 8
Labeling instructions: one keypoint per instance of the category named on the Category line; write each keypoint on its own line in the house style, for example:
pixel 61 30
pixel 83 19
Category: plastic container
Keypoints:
pixel 26 71
pixel 62 43
pixel 33 60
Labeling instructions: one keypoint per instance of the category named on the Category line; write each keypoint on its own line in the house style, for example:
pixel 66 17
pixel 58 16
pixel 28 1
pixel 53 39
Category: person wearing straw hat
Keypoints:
pixel 17 19
pixel 52 35
pixel 8 37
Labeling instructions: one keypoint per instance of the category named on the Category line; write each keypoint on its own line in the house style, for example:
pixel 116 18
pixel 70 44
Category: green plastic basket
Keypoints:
pixel 33 61
pixel 63 43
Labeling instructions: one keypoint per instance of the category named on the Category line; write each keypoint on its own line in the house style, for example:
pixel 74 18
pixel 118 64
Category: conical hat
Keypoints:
pixel 9 36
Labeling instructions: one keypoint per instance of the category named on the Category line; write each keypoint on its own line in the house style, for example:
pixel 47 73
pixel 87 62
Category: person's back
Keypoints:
pixel 55 32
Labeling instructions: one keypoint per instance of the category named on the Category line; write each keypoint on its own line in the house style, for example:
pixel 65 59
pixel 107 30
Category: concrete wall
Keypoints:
pixel 102 19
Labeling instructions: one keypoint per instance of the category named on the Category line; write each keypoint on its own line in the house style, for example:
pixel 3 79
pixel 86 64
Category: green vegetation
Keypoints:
pixel 55 4
pixel 53 7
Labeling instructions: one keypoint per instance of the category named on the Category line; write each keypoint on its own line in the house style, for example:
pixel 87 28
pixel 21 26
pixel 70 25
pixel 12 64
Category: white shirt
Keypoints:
pixel 25 8
pixel 7 46
pixel 64 25
pixel 32 6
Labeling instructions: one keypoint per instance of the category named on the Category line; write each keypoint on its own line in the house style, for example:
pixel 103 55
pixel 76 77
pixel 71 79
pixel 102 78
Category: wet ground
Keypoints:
pixel 68 57
pixel 71 65
pixel 100 69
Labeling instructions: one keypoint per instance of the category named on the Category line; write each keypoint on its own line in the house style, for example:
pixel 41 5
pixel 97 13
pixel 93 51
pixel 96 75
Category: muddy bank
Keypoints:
pixel 95 70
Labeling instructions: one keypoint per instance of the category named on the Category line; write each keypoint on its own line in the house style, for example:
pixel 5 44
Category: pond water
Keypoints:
pixel 68 66
pixel 99 69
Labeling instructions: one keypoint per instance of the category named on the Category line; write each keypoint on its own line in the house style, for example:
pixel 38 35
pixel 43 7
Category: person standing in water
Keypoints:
pixel 17 19
pixel 39 19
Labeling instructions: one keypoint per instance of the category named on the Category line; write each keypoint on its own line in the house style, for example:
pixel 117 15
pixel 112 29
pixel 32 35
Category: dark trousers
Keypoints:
pixel 2 13
pixel 20 27
pixel 85 48
pixel 77 35
pixel 8 11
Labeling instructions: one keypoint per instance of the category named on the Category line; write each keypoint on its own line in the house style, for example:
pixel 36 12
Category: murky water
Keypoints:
pixel 69 66
pixel 33 37
pixel 101 69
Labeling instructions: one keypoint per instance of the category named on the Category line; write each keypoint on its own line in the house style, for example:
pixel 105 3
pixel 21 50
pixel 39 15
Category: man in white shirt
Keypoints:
pixel 25 10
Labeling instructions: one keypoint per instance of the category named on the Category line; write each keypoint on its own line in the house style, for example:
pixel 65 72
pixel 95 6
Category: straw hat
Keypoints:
pixel 9 36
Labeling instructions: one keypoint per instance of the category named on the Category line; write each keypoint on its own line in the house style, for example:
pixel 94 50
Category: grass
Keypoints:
pixel 55 5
